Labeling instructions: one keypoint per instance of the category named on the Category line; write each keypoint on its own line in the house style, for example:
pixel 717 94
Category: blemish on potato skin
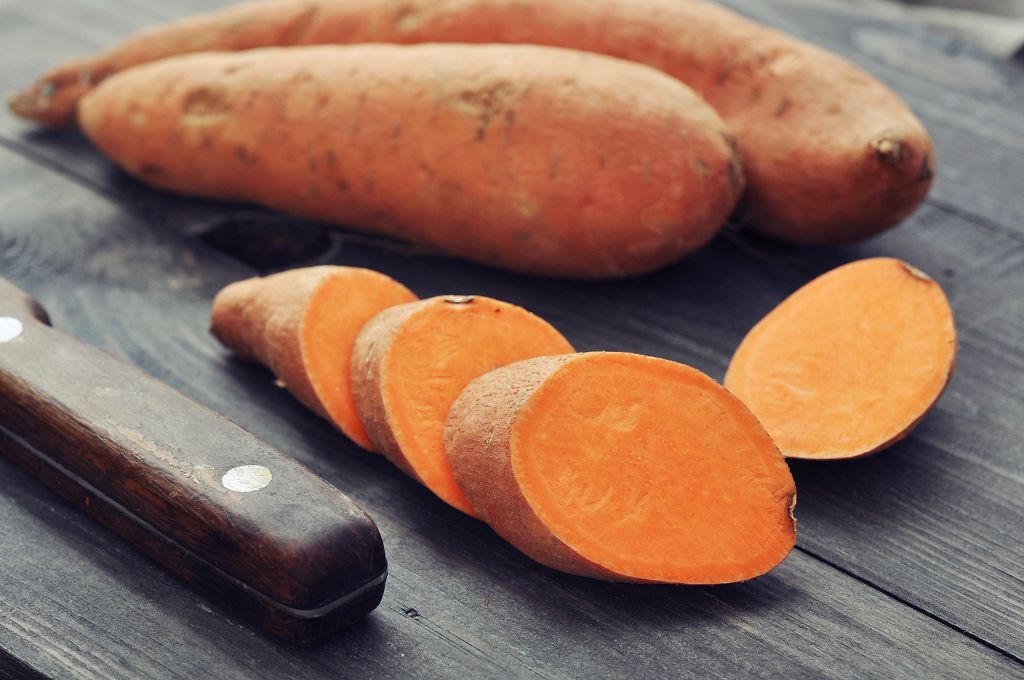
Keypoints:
pixel 888 148
pixel 486 103
pixel 205 101
pixel 926 172
pixel 357 115
pixel 736 179
pixel 243 154
pixel 554 162
pixel 784 105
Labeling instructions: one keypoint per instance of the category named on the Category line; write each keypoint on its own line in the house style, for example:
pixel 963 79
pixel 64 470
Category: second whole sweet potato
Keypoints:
pixel 535 159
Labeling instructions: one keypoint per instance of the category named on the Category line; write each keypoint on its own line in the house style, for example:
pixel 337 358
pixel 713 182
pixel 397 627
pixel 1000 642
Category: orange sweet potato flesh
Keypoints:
pixel 623 467
pixel 302 325
pixel 411 362
pixel 850 363
pixel 832 154
pixel 535 159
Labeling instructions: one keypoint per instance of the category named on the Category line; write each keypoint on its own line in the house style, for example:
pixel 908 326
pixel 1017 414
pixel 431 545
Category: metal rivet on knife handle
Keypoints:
pixel 10 328
pixel 246 478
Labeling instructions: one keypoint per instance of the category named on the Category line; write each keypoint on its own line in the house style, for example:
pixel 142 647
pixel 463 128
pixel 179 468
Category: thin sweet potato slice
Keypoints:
pixel 850 363
pixel 411 362
pixel 623 467
pixel 302 325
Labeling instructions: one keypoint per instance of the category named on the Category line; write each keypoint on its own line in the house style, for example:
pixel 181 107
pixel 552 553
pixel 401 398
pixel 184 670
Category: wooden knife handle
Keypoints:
pixel 219 507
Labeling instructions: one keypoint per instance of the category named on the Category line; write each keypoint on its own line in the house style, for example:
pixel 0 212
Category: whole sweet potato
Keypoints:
pixel 831 154
pixel 535 159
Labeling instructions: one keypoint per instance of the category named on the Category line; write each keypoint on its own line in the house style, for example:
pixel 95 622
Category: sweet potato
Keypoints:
pixel 850 363
pixel 623 467
pixel 535 159
pixel 832 154
pixel 302 325
pixel 410 362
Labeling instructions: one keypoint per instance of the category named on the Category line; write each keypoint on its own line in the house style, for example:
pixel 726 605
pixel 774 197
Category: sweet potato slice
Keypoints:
pixel 623 467
pixel 850 363
pixel 302 325
pixel 411 362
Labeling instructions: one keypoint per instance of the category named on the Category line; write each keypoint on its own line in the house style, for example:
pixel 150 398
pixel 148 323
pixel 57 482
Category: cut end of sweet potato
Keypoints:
pixel 302 324
pixel 411 362
pixel 623 467
pixel 851 362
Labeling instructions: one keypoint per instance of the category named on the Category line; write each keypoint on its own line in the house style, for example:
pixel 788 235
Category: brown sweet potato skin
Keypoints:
pixel 477 438
pixel 832 154
pixel 536 159
pixel 367 356
pixel 267 332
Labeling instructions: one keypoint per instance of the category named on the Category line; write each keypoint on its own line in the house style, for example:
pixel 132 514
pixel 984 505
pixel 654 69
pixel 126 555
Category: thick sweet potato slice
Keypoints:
pixel 623 467
pixel 412 361
pixel 302 324
pixel 850 363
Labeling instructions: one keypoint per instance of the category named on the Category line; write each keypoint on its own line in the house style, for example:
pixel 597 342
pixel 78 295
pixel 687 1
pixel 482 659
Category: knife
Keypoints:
pixel 238 520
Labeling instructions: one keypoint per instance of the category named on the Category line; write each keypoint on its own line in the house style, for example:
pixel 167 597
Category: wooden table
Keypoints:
pixel 909 564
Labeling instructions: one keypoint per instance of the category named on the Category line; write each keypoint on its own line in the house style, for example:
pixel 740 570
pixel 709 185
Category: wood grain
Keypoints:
pixel 460 601
pixel 909 563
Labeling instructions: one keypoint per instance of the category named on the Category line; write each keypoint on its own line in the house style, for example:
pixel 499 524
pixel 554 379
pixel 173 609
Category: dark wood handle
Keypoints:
pixel 201 495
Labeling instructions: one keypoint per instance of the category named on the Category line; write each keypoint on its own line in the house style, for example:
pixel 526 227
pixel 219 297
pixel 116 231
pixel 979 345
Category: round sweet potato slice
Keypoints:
pixel 850 363
pixel 623 467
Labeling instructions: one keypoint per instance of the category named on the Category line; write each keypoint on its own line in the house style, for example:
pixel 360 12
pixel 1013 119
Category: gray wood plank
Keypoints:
pixel 75 601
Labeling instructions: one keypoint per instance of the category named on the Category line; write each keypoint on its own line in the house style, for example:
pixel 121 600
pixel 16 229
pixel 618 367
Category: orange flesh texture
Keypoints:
pixel 434 355
pixel 336 312
pixel 653 471
pixel 850 362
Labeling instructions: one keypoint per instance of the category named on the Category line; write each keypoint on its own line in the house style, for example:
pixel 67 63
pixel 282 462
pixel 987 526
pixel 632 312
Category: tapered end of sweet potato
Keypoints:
pixel 850 363
pixel 302 325
pixel 50 102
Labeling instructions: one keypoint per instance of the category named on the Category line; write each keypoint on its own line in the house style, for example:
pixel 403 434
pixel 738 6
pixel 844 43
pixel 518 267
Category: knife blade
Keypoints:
pixel 238 520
